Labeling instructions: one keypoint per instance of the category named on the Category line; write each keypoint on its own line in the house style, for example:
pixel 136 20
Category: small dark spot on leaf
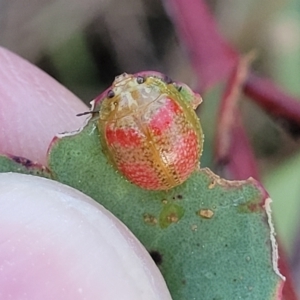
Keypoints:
pixel 21 160
pixel 250 207
pixel 179 197
pixel 156 256
pixel 183 281
pixel 226 245
pixel 234 280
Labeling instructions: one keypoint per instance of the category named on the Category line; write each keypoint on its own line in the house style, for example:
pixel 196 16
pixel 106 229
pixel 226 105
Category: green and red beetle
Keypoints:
pixel 149 130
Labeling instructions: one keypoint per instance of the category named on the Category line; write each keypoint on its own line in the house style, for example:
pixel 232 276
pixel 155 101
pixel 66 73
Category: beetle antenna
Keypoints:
pixel 86 113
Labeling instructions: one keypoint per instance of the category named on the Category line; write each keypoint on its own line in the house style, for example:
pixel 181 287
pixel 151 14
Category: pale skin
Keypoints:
pixel 33 108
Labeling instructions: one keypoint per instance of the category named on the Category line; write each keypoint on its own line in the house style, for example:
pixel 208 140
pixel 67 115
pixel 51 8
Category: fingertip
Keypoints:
pixel 34 108
pixel 57 243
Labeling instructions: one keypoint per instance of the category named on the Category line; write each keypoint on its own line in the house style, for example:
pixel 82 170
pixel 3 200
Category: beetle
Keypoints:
pixel 150 131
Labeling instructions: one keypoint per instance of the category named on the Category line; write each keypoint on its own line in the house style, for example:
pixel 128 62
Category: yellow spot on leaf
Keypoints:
pixel 150 219
pixel 164 201
pixel 172 218
pixel 205 213
pixel 212 184
pixel 194 227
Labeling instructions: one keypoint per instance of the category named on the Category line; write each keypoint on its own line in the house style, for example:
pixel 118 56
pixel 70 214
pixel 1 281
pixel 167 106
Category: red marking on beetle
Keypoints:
pixel 124 137
pixel 174 106
pixel 140 174
pixel 187 151
pixel 164 117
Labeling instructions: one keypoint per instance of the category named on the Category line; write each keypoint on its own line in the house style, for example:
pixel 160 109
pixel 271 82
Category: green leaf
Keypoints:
pixel 211 238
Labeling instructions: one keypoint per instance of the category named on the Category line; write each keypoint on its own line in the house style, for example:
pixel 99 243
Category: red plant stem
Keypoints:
pixel 272 99
pixel 233 148
pixel 212 57
pixel 228 108
pixel 241 162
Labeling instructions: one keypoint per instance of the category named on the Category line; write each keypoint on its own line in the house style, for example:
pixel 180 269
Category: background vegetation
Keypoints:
pixel 84 45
